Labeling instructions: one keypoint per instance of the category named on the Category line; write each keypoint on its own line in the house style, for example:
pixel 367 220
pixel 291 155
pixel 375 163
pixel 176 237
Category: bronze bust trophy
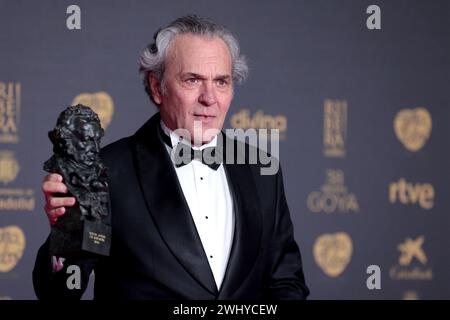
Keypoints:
pixel 76 147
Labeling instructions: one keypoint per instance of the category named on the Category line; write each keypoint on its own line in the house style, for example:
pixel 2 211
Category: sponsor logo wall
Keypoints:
pixel 363 118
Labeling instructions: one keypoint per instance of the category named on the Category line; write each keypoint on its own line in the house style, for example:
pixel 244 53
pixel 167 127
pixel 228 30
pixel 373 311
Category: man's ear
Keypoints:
pixel 155 88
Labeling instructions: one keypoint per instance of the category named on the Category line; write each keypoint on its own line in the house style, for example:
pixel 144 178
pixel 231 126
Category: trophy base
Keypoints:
pixel 72 237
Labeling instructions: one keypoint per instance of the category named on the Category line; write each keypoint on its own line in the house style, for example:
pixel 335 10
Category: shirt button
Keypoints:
pixel 201 178
pixel 211 257
pixel 206 217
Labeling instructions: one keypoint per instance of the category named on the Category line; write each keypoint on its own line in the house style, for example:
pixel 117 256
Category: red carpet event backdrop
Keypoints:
pixel 359 91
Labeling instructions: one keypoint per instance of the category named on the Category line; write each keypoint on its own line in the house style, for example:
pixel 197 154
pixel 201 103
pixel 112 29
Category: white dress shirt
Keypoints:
pixel 209 199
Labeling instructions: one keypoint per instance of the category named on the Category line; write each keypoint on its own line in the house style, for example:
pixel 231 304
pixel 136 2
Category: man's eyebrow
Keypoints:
pixel 223 77
pixel 199 76
pixel 192 75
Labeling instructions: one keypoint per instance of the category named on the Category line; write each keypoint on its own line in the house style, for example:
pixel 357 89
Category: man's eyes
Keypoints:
pixel 196 81
pixel 222 82
pixel 192 80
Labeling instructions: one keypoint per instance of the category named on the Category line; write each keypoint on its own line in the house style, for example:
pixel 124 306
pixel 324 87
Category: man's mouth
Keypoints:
pixel 203 117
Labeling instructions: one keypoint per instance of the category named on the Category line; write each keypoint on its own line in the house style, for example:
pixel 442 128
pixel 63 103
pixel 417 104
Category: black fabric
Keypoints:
pixel 156 252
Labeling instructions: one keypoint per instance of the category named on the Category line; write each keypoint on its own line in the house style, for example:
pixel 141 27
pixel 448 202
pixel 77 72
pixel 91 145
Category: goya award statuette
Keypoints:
pixel 84 227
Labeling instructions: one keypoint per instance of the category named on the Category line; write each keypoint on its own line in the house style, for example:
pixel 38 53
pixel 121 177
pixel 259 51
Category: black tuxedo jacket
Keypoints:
pixel 156 252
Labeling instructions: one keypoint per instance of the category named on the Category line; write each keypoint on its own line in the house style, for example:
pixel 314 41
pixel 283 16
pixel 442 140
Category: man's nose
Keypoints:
pixel 207 95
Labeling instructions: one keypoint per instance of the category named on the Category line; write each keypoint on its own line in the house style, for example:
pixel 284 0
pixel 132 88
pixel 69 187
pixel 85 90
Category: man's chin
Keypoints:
pixel 205 131
pixel 204 137
pixel 210 133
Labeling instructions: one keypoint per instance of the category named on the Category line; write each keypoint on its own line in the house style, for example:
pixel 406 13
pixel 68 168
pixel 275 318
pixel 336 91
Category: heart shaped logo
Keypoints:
pixel 12 245
pixel 333 252
pixel 413 127
pixel 102 104
pixel 9 167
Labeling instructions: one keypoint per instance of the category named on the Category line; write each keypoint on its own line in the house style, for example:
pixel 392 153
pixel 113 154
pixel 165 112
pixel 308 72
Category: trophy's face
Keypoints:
pixel 87 145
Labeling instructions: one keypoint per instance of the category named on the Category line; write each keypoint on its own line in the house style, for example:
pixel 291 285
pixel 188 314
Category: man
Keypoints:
pixel 185 230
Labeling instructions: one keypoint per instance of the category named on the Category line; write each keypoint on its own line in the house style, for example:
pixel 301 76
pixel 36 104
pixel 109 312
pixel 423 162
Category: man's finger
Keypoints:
pixel 56 212
pixel 53 177
pixel 53 214
pixel 54 187
pixel 55 202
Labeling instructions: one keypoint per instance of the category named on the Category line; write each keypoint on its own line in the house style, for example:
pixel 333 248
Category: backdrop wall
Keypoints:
pixel 363 116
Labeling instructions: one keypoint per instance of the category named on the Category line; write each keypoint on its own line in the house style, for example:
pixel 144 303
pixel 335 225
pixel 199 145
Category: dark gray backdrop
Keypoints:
pixel 300 54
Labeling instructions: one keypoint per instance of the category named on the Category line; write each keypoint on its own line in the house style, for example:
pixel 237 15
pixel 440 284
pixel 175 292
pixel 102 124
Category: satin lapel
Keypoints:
pixel 248 223
pixel 167 205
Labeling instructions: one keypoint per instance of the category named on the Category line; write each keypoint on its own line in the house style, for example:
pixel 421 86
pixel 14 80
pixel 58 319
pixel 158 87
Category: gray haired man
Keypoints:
pixel 189 230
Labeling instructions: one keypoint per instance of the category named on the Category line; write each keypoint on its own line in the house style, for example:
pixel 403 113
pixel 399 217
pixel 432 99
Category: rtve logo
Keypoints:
pixel 409 193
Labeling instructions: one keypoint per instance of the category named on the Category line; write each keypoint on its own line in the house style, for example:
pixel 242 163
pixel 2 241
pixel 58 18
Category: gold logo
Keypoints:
pixel 412 249
pixel 13 198
pixel 406 269
pixel 10 95
pixel 406 193
pixel 413 127
pixel 333 252
pixel 410 295
pixel 243 120
pixel 102 104
pixel 334 128
pixel 9 167
pixel 17 199
pixel 12 245
pixel 333 195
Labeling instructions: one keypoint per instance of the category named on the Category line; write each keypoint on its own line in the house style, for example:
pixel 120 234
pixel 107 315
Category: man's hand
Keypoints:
pixel 55 206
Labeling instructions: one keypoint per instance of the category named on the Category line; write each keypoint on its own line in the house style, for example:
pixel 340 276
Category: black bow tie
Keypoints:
pixel 184 154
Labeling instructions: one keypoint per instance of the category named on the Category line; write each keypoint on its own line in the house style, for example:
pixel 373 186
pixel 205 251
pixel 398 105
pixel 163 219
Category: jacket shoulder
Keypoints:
pixel 264 165
pixel 116 153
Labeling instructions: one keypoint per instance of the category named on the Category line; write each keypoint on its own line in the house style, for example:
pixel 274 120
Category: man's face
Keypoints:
pixel 198 85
